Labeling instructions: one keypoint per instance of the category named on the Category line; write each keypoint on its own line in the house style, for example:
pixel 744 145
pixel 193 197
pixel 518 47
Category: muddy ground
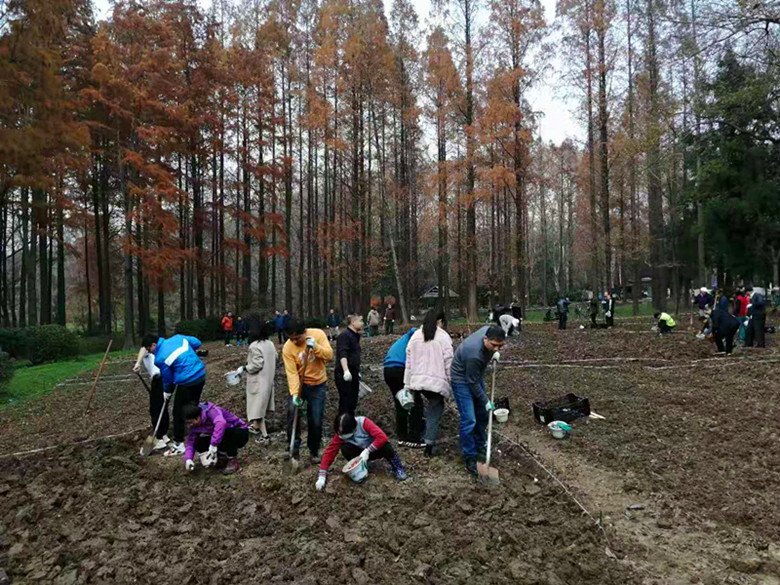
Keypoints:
pixel 682 474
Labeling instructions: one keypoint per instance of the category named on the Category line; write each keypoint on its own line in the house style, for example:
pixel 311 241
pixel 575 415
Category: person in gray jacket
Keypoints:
pixel 468 388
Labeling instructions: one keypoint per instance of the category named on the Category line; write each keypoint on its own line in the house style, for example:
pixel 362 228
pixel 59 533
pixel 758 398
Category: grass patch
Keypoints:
pixel 34 381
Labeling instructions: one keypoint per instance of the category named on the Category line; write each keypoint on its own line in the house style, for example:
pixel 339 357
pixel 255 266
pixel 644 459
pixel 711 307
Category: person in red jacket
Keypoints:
pixel 227 327
pixel 358 436
pixel 741 303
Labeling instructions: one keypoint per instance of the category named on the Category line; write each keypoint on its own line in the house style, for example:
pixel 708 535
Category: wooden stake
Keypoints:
pixel 97 377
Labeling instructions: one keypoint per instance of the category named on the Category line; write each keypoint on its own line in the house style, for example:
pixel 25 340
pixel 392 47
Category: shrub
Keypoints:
pixel 208 329
pixel 98 343
pixel 11 342
pixel 47 343
pixel 315 323
pixel 6 367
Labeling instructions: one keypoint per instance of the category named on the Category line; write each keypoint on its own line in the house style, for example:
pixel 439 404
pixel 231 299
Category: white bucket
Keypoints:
pixel 357 470
pixel 405 398
pixel 232 378
pixel 559 429
pixel 501 414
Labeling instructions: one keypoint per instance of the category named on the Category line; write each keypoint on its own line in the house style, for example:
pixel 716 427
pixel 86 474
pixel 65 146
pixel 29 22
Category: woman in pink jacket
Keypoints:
pixel 428 360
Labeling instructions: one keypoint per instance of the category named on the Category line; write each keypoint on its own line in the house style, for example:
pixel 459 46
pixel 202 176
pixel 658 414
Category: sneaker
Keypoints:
pixel 398 468
pixel 174 450
pixel 253 430
pixel 471 466
pixel 264 440
pixel 315 458
pixel 160 444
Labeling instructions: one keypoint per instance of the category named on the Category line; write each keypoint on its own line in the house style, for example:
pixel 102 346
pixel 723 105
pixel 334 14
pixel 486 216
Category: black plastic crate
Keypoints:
pixel 566 409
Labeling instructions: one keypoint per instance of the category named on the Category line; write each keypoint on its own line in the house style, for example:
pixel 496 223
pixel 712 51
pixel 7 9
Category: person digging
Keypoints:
pixel 305 355
pixel 468 388
pixel 358 436
pixel 666 323
pixel 157 401
pixel 216 433
pixel 181 371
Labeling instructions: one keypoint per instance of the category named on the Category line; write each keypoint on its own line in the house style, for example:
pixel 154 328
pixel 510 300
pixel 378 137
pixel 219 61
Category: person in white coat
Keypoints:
pixel 260 369
pixel 427 374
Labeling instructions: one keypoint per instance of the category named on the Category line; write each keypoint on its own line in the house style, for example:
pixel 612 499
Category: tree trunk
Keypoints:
pixel 601 31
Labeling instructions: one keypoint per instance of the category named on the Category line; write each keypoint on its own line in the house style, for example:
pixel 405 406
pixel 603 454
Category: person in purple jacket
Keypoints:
pixel 216 432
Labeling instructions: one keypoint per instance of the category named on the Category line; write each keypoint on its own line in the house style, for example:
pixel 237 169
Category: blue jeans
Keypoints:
pixel 473 420
pixel 314 397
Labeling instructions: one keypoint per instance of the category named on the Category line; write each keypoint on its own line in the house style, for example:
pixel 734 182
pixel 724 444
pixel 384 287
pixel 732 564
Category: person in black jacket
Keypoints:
pixel 757 318
pixel 562 307
pixel 609 311
pixel 724 328
pixel 348 364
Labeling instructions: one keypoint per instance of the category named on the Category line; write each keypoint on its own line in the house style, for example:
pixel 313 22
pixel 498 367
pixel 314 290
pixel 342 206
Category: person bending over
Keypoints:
pixel 666 323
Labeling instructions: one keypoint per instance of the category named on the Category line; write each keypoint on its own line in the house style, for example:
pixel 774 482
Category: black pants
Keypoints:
pixel 754 334
pixel 664 328
pixel 389 327
pixel 156 402
pixel 562 318
pixel 593 320
pixel 350 451
pixel 228 337
pixel 232 441
pixel 728 337
pixel 610 321
pixel 408 423
pixel 348 391
pixel 184 395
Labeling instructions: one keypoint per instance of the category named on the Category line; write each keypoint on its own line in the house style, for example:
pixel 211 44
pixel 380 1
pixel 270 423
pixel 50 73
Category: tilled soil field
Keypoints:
pixel 682 475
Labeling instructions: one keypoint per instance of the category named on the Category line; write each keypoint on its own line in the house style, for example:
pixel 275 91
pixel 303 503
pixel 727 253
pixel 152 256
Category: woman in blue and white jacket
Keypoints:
pixel 182 373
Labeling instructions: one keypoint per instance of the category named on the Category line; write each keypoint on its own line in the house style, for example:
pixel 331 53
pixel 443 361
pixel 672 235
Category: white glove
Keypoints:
pixel 137 368
pixel 240 370
pixel 608 314
pixel 496 356
pixel 211 457
pixel 365 454
pixel 320 485
pixel 189 465
pixel 167 395
pixel 311 343
pixel 347 376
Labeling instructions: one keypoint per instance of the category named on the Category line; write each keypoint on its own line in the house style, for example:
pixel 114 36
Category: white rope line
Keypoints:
pixel 60 446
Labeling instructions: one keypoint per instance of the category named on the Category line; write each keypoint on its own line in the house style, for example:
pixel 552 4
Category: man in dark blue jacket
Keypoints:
pixel 757 319
pixel 182 372
pixel 724 328
pixel 468 387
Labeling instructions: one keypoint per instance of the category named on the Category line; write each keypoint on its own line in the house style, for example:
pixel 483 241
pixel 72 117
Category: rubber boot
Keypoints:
pixel 398 468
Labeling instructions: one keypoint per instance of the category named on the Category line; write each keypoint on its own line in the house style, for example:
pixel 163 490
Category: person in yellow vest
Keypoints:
pixel 309 350
pixel 666 323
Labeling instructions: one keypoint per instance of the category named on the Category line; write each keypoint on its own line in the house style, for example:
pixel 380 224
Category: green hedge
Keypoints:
pixel 98 343
pixel 39 344
pixel 208 329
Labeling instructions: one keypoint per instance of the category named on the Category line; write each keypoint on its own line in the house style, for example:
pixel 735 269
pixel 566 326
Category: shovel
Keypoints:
pixel 140 377
pixel 489 475
pixel 294 463
pixel 148 445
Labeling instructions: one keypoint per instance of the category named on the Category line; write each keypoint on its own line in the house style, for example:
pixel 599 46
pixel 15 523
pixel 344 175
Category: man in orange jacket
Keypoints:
pixel 227 327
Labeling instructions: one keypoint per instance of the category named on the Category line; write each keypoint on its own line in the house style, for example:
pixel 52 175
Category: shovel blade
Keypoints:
pixel 148 445
pixel 488 475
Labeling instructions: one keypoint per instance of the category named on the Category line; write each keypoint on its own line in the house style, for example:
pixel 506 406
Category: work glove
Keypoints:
pixel 137 368
pixel 297 401
pixel 364 454
pixel 496 356
pixel 311 343
pixel 320 485
pixel 489 406
pixel 189 465
pixel 240 370
pixel 347 376
pixel 211 457
pixel 608 314
pixel 167 395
